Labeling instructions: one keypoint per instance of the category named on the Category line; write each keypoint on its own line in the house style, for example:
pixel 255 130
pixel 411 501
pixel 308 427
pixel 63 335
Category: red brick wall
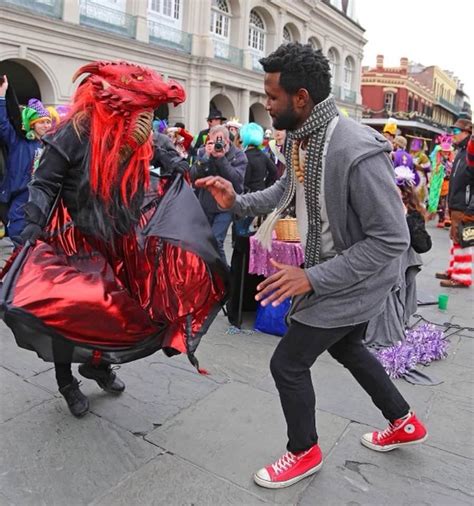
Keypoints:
pixel 372 97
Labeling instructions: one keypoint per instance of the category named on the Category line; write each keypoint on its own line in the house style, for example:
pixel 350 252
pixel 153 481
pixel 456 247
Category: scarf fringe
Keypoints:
pixel 265 231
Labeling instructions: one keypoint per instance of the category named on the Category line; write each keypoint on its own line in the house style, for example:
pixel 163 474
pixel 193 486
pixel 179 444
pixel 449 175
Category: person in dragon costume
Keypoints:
pixel 118 262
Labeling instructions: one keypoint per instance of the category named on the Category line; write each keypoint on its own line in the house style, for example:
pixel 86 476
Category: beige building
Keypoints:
pixel 444 86
pixel 211 46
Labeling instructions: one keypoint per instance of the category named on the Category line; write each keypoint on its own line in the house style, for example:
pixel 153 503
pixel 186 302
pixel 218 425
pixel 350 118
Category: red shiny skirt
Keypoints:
pixel 120 303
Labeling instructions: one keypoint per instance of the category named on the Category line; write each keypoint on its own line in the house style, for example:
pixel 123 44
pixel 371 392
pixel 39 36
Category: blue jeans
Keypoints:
pixel 220 223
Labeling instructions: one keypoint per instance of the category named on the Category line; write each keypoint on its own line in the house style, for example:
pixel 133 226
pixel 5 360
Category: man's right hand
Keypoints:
pixel 221 189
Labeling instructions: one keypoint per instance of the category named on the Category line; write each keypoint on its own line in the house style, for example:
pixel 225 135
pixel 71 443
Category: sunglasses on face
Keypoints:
pixel 456 131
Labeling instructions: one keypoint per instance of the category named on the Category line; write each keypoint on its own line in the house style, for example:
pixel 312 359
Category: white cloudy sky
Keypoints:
pixel 431 32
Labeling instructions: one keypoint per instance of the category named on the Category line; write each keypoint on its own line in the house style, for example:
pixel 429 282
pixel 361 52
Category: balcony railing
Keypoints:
pixel 167 36
pixel 52 8
pixel 344 94
pixel 448 105
pixel 255 61
pixel 230 54
pixel 105 18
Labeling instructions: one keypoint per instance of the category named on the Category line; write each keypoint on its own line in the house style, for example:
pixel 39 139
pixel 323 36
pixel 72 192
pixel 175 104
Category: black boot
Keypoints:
pixel 77 402
pixel 105 377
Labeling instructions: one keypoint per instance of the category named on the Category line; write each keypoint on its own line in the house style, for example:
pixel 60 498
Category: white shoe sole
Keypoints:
pixel 389 448
pixel 288 483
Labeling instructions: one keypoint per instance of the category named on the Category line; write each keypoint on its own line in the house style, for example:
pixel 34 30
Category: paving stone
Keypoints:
pixel 155 392
pixel 17 396
pixel 418 475
pixel 25 363
pixel 457 379
pixel 449 414
pixel 236 430
pixel 63 460
pixel 464 352
pixel 152 485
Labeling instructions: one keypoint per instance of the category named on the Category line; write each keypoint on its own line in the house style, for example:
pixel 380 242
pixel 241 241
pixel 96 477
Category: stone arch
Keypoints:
pixel 334 58
pixel 349 72
pixel 315 42
pixel 30 79
pixel 294 32
pixel 258 114
pixel 223 103
pixel 271 41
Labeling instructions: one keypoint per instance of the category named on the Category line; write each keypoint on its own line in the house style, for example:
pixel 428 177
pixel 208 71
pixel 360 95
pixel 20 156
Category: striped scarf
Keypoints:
pixel 313 130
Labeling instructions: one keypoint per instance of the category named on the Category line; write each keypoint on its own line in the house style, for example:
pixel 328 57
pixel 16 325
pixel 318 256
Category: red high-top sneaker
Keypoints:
pixel 402 432
pixel 290 468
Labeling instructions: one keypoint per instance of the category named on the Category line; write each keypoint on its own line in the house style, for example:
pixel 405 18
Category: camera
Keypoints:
pixel 219 144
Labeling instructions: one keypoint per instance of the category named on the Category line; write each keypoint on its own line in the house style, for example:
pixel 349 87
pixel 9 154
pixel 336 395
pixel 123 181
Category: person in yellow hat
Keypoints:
pixel 390 130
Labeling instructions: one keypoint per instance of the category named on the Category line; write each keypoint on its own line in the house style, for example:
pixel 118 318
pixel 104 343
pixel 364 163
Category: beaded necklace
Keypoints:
pixel 298 167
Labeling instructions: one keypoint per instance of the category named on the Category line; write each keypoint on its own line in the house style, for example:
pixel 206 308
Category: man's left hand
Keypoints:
pixel 287 282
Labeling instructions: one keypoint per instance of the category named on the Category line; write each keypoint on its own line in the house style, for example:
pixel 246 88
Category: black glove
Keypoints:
pixel 169 161
pixel 31 233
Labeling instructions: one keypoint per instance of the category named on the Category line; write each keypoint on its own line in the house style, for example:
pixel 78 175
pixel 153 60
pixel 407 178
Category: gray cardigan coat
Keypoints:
pixel 368 225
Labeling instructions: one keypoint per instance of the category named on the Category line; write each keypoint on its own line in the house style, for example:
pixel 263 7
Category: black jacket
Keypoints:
pixel 232 167
pixel 261 171
pixel 461 183
pixel 64 167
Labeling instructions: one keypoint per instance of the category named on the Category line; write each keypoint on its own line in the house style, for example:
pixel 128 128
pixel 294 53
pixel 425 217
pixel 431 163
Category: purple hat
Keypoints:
pixel 33 112
pixel 416 144
pixel 36 105
pixel 401 157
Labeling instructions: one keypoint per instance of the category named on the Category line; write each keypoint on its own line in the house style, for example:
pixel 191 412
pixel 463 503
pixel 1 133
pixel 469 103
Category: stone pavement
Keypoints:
pixel 178 438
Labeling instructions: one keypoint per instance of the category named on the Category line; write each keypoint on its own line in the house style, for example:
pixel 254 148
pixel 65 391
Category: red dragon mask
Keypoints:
pixel 125 87
pixel 119 99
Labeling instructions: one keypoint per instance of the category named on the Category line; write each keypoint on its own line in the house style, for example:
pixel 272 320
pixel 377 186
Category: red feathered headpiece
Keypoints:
pixel 119 99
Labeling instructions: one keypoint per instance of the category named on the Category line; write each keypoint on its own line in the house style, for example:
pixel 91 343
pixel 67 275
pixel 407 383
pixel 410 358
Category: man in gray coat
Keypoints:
pixel 352 224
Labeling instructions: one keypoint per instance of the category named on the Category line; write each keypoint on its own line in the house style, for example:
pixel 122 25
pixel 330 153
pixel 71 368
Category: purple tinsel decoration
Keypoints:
pixel 422 345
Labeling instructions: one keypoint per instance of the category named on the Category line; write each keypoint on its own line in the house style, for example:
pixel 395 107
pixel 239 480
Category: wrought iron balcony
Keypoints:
pixel 448 105
pixel 230 54
pixel 53 8
pixel 167 36
pixel 98 16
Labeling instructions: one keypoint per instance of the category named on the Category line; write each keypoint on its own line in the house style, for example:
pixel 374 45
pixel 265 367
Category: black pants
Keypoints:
pixel 62 354
pixel 290 367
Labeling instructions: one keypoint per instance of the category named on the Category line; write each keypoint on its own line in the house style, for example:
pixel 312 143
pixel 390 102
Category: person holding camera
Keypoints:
pixel 219 157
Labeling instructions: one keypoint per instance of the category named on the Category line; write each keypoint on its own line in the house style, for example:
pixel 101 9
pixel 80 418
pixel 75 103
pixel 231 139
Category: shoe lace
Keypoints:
pixel 387 432
pixel 284 462
pixel 392 427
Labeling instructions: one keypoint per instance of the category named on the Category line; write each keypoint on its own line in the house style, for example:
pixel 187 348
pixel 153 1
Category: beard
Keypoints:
pixel 287 120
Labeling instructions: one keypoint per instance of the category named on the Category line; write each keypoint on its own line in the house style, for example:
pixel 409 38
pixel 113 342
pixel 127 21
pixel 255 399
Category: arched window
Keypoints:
pixel 287 37
pixel 220 18
pixel 348 73
pixel 256 32
pixel 314 43
pixel 332 57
